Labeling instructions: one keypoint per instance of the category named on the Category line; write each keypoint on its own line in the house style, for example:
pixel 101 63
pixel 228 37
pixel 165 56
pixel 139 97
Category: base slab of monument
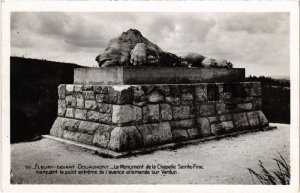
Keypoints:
pixel 137 118
pixel 113 154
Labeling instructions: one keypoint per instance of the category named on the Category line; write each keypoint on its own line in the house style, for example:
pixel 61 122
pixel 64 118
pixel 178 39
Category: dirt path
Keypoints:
pixel 224 161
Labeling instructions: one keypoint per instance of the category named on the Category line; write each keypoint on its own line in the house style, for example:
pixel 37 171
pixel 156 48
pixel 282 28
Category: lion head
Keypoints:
pixel 118 50
pixel 115 54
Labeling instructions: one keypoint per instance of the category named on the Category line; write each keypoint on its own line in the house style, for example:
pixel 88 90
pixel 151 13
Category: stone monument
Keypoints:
pixel 132 104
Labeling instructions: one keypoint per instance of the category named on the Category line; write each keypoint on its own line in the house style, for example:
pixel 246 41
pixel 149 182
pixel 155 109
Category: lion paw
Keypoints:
pixel 138 55
pixel 143 54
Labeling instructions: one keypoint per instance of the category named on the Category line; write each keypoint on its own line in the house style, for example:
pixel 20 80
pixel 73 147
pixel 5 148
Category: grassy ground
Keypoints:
pixel 224 161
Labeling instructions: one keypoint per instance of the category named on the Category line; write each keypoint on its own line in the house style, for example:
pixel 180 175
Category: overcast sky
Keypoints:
pixel 258 42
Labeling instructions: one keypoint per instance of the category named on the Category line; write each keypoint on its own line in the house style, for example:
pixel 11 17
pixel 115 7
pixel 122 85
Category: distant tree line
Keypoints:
pixel 269 81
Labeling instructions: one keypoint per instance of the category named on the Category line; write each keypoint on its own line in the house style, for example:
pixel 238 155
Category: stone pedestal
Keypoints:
pixel 123 118
pixel 127 75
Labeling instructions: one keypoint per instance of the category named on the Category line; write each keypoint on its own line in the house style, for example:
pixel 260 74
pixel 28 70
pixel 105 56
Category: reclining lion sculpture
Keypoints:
pixel 132 49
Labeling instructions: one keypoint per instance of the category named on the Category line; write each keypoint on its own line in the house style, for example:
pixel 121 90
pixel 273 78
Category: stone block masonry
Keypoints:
pixel 128 117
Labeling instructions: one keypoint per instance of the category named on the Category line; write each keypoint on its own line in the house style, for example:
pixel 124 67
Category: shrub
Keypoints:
pixel 281 176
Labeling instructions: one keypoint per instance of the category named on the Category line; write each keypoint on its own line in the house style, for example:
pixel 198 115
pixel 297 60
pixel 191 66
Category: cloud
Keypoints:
pixel 173 31
pixel 75 31
pixel 258 42
pixel 255 23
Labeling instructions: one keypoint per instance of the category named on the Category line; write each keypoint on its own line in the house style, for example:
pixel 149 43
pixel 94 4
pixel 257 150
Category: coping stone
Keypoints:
pixel 125 75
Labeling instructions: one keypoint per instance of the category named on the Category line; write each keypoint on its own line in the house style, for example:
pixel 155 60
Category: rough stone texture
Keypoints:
pixel 174 101
pixel 70 112
pixel 80 114
pixel 70 101
pixel 244 107
pixel 220 88
pixel 102 135
pixel 102 98
pixel 61 91
pixel 181 112
pixel 151 113
pixel 193 133
pixel 71 125
pixel 230 107
pixel 85 138
pixel 256 104
pixel 262 119
pixel 186 98
pixel 226 117
pixel 62 108
pixel 220 108
pixel 69 89
pixel 156 133
pixel 227 126
pixel 105 118
pixel 78 88
pixel 58 127
pixel 88 95
pixel 164 89
pixel 88 127
pixel 79 137
pixel 86 87
pixel 139 96
pixel 187 88
pixel 100 89
pixel 125 139
pixel 183 124
pixel 214 119
pixel 126 114
pixel 105 108
pixel 78 95
pixel 123 118
pixel 91 105
pixel 255 89
pixel 217 129
pixel 247 99
pixel 201 93
pixel 253 119
pixel 240 120
pixel 180 135
pixel 93 116
pixel 166 112
pixel 105 128
pixel 101 139
pixel 155 97
pixel 120 94
pixel 80 103
pixel 204 126
pixel 225 96
pixel 207 110
pixel 71 135
pixel 148 88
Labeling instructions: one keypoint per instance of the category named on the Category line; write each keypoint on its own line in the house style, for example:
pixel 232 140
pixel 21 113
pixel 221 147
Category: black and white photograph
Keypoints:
pixel 151 97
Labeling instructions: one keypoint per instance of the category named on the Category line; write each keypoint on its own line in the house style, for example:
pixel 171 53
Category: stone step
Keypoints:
pixel 112 154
